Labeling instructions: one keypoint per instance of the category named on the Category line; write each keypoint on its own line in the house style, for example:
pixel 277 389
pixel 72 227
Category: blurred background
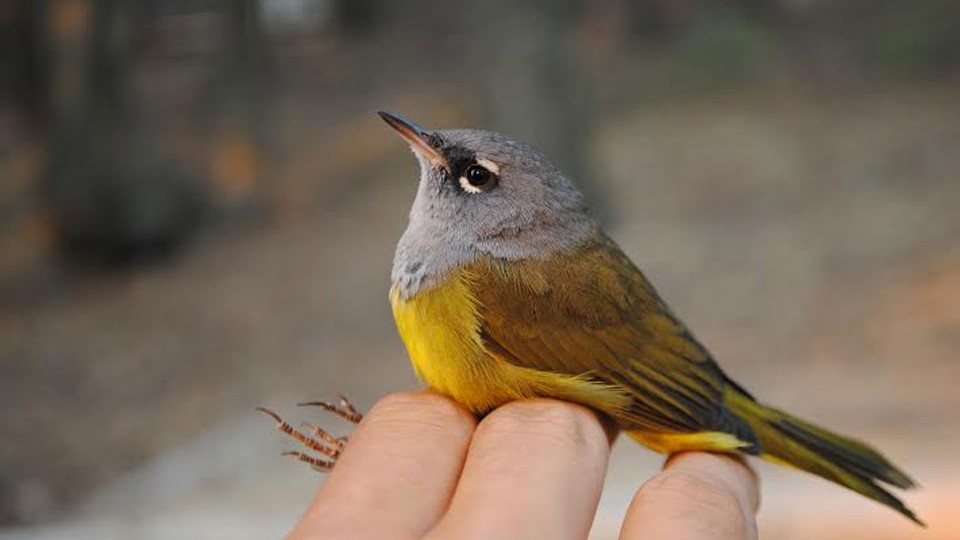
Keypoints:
pixel 198 211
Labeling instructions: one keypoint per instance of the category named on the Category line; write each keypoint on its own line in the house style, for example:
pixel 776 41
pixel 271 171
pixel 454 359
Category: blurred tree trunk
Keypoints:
pixel 242 106
pixel 111 192
pixel 359 17
pixel 529 69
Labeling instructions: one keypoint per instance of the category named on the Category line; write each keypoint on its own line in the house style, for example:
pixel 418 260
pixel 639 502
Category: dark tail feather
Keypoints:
pixel 800 444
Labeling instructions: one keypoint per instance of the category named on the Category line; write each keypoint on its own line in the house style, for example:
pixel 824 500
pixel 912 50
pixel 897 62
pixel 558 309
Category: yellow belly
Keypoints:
pixel 441 330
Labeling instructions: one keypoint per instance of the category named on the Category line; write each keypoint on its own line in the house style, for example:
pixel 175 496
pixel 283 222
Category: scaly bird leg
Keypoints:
pixel 333 451
pixel 336 443
pixel 344 410
pixel 321 441
pixel 318 465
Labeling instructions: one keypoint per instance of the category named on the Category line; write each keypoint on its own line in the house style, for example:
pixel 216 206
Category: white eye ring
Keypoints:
pixel 468 187
pixel 489 165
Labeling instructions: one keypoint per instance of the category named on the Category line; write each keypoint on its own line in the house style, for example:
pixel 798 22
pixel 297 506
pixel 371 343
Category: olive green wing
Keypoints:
pixel 592 312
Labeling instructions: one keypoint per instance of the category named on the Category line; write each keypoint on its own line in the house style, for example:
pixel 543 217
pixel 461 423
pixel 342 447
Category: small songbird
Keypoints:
pixel 504 288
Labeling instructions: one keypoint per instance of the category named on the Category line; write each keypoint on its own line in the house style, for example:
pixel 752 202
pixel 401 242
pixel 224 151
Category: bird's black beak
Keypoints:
pixel 418 137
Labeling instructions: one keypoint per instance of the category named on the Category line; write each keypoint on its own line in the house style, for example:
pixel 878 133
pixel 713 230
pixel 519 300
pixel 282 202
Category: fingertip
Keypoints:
pixel 561 421
pixel 534 469
pixel 697 495
pixel 731 469
pixel 407 443
pixel 426 408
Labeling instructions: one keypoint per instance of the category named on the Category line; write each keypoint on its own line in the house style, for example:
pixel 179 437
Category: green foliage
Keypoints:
pixel 920 37
pixel 723 48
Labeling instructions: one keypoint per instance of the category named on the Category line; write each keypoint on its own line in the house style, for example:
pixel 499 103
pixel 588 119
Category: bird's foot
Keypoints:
pixel 344 409
pixel 319 441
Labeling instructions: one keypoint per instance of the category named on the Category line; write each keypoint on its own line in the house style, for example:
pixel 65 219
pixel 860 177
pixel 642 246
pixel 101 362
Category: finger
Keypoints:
pixel 534 470
pixel 397 474
pixel 696 496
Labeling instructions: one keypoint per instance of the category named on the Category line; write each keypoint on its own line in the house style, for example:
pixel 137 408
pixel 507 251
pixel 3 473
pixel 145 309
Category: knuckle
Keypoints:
pixel 551 419
pixel 424 407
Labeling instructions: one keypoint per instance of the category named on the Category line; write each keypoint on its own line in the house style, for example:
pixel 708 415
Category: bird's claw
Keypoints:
pixel 321 442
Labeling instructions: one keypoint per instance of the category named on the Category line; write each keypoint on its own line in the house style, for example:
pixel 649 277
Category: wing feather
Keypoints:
pixel 592 312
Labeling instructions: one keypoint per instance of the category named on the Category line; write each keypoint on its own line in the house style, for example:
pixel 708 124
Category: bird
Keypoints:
pixel 505 288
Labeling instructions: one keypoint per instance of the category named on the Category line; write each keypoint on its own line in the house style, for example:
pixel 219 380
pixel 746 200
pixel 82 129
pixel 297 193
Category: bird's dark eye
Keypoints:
pixel 478 176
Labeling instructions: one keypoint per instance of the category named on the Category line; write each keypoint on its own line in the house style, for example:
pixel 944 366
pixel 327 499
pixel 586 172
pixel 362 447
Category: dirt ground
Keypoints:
pixel 809 238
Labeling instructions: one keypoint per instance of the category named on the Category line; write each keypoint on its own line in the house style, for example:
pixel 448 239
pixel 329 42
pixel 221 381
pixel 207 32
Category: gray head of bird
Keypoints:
pixel 482 194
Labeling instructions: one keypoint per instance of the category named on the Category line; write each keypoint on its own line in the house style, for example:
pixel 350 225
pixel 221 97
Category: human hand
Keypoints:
pixel 419 466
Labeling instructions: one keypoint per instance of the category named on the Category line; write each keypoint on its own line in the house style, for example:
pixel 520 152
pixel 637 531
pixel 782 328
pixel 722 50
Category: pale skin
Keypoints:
pixel 420 466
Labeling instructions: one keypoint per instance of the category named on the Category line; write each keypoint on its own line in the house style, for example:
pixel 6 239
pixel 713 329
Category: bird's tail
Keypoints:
pixel 790 441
